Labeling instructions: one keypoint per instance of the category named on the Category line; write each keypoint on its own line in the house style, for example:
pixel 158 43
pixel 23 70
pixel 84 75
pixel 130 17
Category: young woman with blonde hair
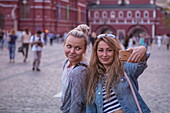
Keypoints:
pixel 75 71
pixel 108 90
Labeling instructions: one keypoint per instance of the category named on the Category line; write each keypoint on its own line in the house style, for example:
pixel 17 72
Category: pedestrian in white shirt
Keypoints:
pixel 159 40
pixel 37 43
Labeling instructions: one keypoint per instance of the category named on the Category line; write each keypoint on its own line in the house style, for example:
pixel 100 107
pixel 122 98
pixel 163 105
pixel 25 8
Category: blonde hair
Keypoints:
pixel 84 28
pixel 13 32
pixel 80 31
pixel 97 69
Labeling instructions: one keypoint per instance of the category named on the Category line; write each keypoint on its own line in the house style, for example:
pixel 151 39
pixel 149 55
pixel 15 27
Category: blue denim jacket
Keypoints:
pixel 123 91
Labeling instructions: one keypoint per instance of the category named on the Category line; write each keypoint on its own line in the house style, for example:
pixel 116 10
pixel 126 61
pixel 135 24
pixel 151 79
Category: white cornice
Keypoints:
pixel 5 5
pixel 45 1
pixel 82 5
pixel 65 0
pixel 9 0
pixel 122 23
pixel 40 7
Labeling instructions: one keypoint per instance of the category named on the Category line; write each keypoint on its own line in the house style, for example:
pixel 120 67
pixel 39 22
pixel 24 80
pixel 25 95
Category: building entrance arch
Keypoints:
pixel 2 21
pixel 105 29
pixel 136 30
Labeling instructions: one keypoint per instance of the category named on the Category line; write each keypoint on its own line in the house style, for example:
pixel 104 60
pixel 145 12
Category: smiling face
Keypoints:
pixel 74 48
pixel 105 54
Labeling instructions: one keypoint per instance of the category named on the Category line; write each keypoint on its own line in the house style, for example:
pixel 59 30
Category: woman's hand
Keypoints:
pixel 138 54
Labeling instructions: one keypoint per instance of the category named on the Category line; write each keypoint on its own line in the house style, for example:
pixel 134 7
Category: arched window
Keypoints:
pixel 146 14
pixel 96 14
pixel 137 14
pixel 120 14
pixel 104 14
pixel 25 8
pixel 129 14
pixel 112 14
pixel 2 22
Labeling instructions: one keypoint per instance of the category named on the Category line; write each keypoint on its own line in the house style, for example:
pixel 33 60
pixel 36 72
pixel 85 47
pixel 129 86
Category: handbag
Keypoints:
pixel 20 49
pixel 133 92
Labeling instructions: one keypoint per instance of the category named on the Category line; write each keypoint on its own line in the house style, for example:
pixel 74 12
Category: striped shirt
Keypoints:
pixel 110 104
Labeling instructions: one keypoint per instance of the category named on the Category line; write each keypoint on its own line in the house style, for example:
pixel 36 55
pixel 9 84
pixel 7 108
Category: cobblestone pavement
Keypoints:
pixel 25 91
pixel 155 81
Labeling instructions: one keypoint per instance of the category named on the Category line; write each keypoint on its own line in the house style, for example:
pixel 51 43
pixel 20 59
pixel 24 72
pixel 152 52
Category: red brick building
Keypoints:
pixel 54 15
pixel 123 17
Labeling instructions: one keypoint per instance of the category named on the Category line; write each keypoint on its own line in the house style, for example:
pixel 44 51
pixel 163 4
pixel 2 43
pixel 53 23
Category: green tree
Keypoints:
pixel 166 19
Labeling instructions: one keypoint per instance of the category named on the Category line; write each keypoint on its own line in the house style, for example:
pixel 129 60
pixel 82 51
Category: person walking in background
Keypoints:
pixel 126 42
pixel 147 40
pixel 159 41
pixel 150 43
pixel 12 45
pixel 1 38
pixel 130 43
pixel 5 38
pixel 167 41
pixel 142 39
pixel 64 35
pixel 108 90
pixel 51 37
pixel 45 36
pixel 75 71
pixel 37 43
pixel 93 37
pixel 25 43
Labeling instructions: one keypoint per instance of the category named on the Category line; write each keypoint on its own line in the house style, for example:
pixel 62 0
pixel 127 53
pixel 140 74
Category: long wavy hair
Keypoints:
pixel 97 69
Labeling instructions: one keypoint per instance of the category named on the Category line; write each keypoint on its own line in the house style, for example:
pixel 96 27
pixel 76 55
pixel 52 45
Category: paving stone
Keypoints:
pixel 25 91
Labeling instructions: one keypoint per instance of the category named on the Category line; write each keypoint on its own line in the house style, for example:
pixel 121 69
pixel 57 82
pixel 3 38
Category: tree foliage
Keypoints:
pixel 166 19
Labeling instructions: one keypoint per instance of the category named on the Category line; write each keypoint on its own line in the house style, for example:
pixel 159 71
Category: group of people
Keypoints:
pixel 147 41
pixel 105 84
pixel 165 39
pixel 36 41
pixel 133 40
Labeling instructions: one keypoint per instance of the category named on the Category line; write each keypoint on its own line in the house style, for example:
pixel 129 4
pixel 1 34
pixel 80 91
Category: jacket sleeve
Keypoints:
pixel 134 70
pixel 78 91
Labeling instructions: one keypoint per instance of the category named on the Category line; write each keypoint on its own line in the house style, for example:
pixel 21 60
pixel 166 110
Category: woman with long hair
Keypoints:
pixel 12 45
pixel 108 90
pixel 75 71
pixel 25 43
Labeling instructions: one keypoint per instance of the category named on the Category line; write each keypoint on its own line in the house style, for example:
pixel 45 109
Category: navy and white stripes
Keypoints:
pixel 110 104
